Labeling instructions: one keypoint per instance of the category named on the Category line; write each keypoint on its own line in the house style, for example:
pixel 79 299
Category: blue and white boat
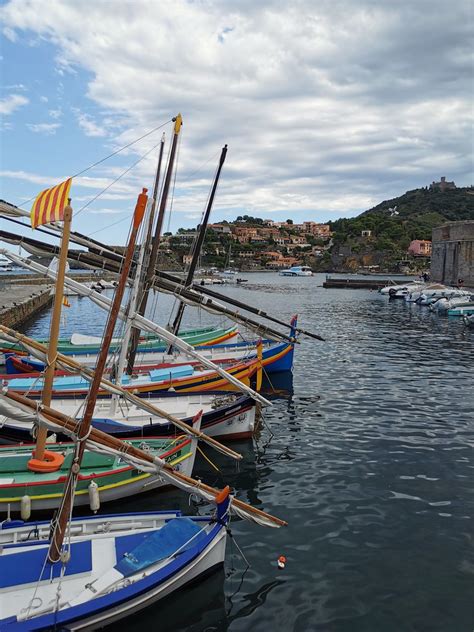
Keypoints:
pixel 114 565
pixel 297 271
pixel 462 310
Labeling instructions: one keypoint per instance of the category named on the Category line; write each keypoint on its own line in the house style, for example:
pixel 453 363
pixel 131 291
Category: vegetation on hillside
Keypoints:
pixel 395 223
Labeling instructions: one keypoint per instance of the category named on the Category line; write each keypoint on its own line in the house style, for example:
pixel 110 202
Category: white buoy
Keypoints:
pixel 25 507
pixel 94 499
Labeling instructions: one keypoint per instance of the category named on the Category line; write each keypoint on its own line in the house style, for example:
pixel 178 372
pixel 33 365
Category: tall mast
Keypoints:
pixel 60 527
pixel 156 242
pixel 199 241
pixel 54 330
pixel 132 306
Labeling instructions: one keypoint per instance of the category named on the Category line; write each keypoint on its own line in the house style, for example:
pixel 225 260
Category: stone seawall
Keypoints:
pixel 19 303
pixel 452 255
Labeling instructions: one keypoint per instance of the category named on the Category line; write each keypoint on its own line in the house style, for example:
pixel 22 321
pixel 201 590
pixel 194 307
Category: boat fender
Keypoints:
pixel 25 507
pixel 281 562
pixel 51 462
pixel 94 498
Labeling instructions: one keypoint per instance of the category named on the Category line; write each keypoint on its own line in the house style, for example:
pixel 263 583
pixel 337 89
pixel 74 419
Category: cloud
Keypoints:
pixel 44 128
pixel 327 108
pixel 106 211
pixel 16 86
pixel 12 103
pixel 89 127
pixel 44 99
pixel 10 34
pixel 55 114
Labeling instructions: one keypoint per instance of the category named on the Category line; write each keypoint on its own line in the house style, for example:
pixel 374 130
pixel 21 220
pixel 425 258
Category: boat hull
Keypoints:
pixel 45 491
pixel 231 420
pixel 82 610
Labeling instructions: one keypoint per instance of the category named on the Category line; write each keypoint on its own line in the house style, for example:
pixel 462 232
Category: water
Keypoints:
pixel 366 452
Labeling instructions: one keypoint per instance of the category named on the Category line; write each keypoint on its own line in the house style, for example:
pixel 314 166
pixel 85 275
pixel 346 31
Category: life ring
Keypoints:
pixel 51 462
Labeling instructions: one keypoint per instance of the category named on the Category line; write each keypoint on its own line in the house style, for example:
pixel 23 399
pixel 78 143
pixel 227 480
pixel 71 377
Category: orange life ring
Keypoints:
pixel 51 462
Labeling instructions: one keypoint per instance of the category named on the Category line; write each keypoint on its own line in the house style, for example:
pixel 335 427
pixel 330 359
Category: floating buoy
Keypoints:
pixel 25 507
pixel 94 499
pixel 281 561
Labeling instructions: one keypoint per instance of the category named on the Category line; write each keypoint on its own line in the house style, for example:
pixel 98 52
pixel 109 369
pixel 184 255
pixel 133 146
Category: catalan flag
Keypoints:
pixel 49 204
pixel 66 303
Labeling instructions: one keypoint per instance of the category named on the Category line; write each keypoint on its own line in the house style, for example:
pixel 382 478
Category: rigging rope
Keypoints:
pixel 114 153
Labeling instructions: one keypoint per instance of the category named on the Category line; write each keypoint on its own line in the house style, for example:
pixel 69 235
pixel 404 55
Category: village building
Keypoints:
pixel 420 248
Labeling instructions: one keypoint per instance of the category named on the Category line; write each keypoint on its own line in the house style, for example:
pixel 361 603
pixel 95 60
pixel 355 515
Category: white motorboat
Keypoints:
pixel 297 271
pixel 393 289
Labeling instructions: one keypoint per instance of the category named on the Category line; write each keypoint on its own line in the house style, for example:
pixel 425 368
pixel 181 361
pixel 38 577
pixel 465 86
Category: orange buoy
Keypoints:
pixel 281 561
pixel 51 462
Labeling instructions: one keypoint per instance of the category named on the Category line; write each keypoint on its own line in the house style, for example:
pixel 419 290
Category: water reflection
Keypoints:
pixel 366 451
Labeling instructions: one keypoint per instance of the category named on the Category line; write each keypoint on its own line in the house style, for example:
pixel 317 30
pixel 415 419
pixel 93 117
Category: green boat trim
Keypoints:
pixel 107 471
pixel 194 337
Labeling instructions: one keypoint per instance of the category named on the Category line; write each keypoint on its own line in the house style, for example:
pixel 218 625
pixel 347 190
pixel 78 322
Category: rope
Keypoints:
pixel 208 459
pixel 114 153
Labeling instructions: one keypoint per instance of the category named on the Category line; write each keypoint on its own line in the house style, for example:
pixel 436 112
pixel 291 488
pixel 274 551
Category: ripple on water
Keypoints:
pixel 371 463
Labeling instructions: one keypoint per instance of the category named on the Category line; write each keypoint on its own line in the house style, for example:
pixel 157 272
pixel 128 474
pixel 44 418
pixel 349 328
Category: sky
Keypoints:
pixel 328 107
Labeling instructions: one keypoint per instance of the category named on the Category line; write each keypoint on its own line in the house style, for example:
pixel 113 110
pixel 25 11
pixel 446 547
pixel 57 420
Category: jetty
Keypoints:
pixel 18 303
pixel 358 283
pixel 23 296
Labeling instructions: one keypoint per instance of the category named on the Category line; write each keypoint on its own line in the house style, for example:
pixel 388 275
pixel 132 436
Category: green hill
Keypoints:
pixel 394 224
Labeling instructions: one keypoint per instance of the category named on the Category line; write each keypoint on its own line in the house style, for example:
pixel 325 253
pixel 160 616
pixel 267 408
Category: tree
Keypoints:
pixel 289 221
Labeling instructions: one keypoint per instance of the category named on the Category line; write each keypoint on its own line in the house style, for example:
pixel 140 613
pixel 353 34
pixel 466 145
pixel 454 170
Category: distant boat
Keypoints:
pixel 5 265
pixel 462 310
pixel 297 271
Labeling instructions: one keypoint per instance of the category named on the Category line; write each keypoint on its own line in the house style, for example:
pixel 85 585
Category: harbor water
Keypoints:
pixel 367 452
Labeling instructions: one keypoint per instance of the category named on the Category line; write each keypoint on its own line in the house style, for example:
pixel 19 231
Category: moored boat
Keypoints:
pixel 297 271
pixel 117 565
pixel 228 416
pixel 462 310
pixel 89 346
pixel 24 489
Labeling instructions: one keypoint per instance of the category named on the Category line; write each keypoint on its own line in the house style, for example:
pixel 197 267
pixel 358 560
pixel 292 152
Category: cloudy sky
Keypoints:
pixel 328 106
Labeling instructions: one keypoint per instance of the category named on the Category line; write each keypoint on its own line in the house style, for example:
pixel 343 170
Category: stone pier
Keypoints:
pixel 18 303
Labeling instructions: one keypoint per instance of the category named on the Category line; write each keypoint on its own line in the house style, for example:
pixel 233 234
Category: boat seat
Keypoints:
pixel 17 569
pixel 157 375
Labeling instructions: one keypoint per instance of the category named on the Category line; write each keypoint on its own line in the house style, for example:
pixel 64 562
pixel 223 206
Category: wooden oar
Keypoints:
pixel 143 404
pixel 114 443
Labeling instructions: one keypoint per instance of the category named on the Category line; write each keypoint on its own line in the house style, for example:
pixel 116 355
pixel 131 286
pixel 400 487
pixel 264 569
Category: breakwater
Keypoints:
pixel 19 303
pixel 23 296
pixel 367 283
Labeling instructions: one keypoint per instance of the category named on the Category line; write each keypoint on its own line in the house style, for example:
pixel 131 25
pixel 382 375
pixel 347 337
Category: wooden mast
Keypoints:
pixel 54 330
pixel 199 241
pixel 60 527
pixel 178 121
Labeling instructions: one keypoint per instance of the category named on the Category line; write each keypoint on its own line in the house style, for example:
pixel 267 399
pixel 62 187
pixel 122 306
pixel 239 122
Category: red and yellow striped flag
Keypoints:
pixel 66 303
pixel 49 204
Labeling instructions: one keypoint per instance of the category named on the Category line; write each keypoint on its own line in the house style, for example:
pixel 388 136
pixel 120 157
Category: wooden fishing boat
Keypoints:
pixel 88 346
pixel 182 378
pixel 22 489
pixel 276 357
pixel 227 417
pixel 116 565
pixel 88 573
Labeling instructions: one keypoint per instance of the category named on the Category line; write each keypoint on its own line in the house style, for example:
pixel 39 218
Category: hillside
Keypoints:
pixel 394 224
